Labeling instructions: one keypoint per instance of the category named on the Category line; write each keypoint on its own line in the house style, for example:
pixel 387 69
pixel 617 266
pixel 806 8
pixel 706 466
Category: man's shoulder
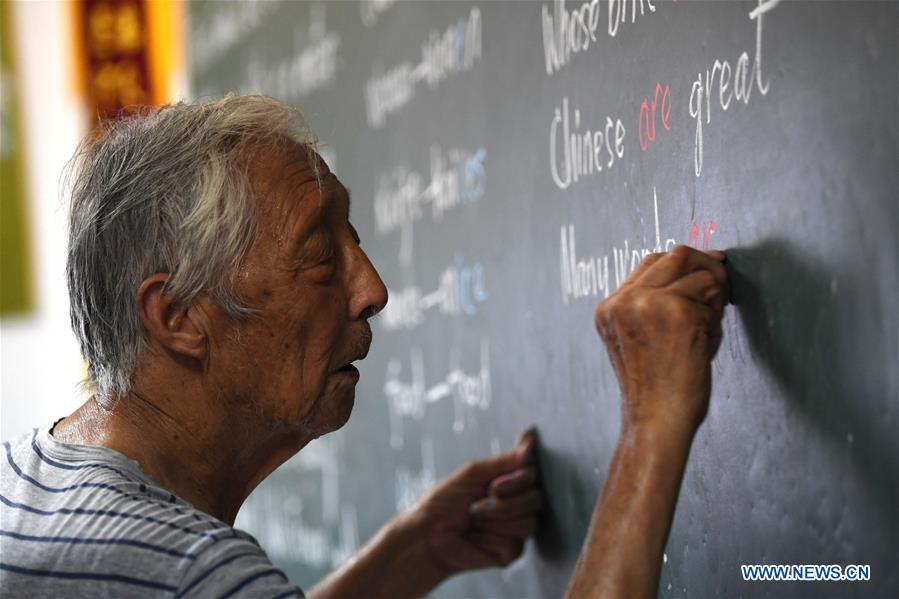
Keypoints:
pixel 91 515
pixel 61 488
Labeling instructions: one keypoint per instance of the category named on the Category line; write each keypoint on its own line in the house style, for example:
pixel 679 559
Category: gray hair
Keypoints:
pixel 163 190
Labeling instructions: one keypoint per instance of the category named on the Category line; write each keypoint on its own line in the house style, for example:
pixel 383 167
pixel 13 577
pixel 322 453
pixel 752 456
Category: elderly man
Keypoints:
pixel 220 296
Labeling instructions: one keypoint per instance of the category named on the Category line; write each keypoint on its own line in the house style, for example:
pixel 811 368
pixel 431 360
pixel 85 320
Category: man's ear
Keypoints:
pixel 177 328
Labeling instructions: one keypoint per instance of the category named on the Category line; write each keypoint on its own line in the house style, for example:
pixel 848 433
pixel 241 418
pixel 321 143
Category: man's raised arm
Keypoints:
pixel 662 328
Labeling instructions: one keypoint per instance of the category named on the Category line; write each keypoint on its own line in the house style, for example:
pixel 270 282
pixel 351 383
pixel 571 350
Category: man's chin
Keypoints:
pixel 334 409
pixel 345 409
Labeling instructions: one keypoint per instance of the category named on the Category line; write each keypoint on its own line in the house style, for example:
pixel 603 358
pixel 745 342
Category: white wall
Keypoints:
pixel 40 365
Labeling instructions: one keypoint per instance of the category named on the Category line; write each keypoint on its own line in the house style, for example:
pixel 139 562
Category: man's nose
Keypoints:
pixel 369 293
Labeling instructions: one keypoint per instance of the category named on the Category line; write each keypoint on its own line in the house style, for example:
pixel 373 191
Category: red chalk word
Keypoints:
pixel 701 235
pixel 651 113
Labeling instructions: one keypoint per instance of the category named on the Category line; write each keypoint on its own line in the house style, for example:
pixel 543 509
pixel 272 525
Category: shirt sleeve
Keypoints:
pixel 235 567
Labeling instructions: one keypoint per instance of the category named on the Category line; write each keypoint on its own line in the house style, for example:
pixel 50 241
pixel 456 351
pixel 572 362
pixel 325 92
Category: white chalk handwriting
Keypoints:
pixel 411 484
pixel 585 277
pixel 743 80
pixel 461 288
pixel 229 24
pixel 410 398
pixel 312 66
pixel 575 154
pixel 457 178
pixel 371 10
pixel 453 50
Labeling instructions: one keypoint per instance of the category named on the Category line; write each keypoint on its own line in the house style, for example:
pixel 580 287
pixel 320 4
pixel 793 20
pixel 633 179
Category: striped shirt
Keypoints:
pixel 84 521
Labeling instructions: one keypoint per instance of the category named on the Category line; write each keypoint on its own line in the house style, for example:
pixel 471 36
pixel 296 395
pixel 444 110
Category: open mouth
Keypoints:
pixel 349 369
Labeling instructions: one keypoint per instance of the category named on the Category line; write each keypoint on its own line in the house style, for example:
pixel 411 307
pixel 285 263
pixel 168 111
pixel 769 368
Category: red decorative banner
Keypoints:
pixel 114 34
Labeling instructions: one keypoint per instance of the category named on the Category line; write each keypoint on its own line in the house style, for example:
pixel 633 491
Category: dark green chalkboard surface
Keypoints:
pixel 510 163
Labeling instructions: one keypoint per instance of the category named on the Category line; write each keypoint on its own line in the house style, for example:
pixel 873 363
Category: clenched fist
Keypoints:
pixel 662 328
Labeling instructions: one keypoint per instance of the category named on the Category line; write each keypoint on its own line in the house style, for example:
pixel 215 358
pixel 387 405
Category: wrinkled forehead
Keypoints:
pixel 291 183
pixel 273 165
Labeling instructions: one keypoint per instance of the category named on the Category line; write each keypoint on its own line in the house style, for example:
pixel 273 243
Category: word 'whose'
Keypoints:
pixel 567 32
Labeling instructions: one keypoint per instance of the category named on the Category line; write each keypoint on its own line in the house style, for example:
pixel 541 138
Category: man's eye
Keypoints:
pixel 320 256
pixel 323 258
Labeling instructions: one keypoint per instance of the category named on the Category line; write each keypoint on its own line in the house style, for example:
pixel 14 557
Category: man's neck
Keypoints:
pixel 203 460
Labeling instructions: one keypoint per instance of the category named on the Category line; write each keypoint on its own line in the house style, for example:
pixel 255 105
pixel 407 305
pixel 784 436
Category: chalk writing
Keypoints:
pixel 228 25
pixel 568 32
pixel 399 196
pixel 575 154
pixel 461 288
pixel 583 277
pixel 311 67
pixel 618 12
pixel 410 398
pixel 454 50
pixel 320 458
pixel 743 80
pixel 371 10
pixel 701 235
pixel 411 484
pixel 277 521
pixel 457 177
pixel 305 521
pixel 659 109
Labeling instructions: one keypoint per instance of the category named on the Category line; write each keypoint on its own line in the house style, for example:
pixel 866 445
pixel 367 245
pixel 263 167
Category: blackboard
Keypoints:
pixel 510 163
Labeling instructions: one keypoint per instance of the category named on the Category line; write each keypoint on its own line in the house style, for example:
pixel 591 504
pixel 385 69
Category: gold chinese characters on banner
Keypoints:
pixel 115 48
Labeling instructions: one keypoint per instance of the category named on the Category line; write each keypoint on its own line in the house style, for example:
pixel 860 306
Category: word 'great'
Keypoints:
pixel 743 80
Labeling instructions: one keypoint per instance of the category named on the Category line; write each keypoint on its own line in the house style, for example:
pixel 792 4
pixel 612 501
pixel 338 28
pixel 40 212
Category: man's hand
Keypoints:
pixel 477 517
pixel 481 514
pixel 662 328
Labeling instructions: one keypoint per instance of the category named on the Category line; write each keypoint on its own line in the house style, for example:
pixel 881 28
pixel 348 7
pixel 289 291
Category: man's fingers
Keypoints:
pixel 701 286
pixel 519 528
pixel 514 483
pixel 644 265
pixel 527 445
pixel 495 508
pixel 681 261
pixel 506 549
pixel 488 469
